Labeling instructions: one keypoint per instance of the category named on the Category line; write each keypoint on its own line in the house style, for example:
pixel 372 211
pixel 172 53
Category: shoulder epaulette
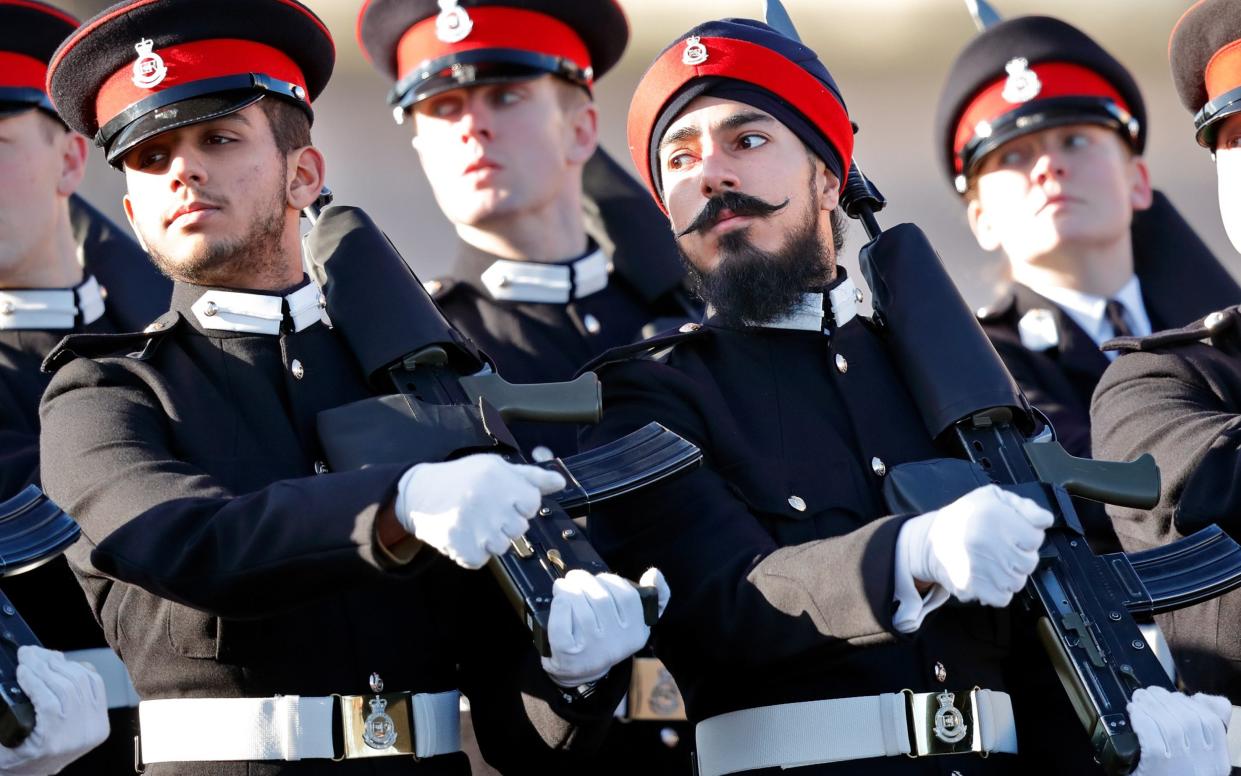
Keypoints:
pixel 1218 326
pixel 137 345
pixel 647 348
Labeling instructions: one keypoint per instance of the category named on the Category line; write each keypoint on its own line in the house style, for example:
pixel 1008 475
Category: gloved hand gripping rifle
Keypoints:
pixel 443 400
pixel 33 531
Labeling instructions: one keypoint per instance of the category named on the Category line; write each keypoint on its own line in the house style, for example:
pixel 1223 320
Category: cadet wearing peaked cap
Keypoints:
pixel 64 268
pixel 802 419
pixel 251 591
pixel 603 270
pixel 1033 80
pixel 1177 393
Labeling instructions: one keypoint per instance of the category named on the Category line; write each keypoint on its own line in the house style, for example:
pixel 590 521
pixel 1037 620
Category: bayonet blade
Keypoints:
pixel 778 19
pixel 985 17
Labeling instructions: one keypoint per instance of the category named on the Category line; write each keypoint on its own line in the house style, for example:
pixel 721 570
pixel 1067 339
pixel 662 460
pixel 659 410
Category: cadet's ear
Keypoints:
pixel 75 151
pixel 1141 193
pixel 981 225
pixel 829 189
pixel 133 226
pixel 584 131
pixel 307 172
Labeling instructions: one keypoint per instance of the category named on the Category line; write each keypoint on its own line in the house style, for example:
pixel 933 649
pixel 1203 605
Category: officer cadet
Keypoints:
pixel 799 600
pixel 254 595
pixel 64 268
pixel 498 97
pixel 1042 130
pixel 562 254
pixel 1177 394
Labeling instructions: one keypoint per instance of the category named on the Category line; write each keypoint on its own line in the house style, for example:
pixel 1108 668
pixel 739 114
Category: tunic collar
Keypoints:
pixel 52 308
pixel 820 311
pixel 253 312
pixel 534 281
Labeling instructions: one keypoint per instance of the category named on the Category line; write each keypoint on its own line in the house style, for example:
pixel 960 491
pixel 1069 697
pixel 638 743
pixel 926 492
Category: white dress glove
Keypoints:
pixel 71 713
pixel 1180 735
pixel 471 508
pixel 981 547
pixel 595 623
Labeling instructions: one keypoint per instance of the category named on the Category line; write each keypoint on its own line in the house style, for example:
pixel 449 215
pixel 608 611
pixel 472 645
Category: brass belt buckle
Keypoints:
pixel 379 726
pixel 937 725
pixel 653 695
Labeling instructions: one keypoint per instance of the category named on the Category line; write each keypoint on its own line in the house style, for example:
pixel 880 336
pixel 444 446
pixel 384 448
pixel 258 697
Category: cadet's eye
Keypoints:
pixel 1076 140
pixel 145 159
pixel 1230 142
pixel 217 139
pixel 751 141
pixel 679 160
pixel 445 107
pixel 506 97
pixel 1013 157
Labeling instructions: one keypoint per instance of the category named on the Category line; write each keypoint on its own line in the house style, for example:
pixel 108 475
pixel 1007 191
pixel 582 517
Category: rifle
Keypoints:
pixel 33 530
pixel 1084 603
pixel 444 400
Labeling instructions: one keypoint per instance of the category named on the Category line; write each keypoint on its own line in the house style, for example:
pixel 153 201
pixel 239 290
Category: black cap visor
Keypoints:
pixel 192 103
pixel 1207 121
pixel 19 99
pixel 1045 114
pixel 479 67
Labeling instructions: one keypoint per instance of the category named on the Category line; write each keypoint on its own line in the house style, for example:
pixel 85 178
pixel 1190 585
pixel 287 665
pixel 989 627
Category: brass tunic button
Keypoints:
pixel 669 737
pixel 798 503
pixel 210 309
pixel 297 369
pixel 690 327
pixel 592 324
pixel 941 673
pixel 857 295
pixel 321 468
pixel 1213 320
pixel 154 327
pixel 878 466
pixel 842 364
pixel 541 454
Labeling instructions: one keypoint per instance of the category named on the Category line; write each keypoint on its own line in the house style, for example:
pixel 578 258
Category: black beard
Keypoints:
pixel 256 253
pixel 753 286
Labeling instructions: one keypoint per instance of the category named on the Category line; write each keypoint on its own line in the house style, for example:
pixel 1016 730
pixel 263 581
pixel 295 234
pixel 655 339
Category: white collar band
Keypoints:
pixel 254 313
pixel 531 281
pixel 51 308
pixel 813 315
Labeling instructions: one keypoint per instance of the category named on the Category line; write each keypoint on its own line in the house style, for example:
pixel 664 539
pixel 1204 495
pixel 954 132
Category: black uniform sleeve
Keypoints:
pixel 154 521
pixel 19 451
pixel 737 597
pixel 1183 408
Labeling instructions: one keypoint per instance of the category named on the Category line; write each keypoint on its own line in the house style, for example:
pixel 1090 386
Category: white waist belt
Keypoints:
pixel 292 727
pixel 119 689
pixel 835 730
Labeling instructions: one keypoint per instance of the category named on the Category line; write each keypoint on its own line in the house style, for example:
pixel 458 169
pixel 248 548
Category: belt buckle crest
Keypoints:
pixel 950 724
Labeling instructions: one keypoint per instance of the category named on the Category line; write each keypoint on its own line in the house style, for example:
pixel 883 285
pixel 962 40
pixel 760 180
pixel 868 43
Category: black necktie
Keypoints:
pixel 1115 312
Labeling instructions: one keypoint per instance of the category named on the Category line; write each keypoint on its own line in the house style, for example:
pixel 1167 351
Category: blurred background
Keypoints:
pixel 889 56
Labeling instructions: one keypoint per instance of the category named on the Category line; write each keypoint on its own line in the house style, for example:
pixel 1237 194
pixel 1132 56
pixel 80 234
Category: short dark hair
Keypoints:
pixel 290 125
pixel 840 224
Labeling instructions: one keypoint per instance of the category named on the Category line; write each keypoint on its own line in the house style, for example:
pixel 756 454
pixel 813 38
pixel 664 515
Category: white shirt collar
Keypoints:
pixel 51 308
pixel 532 281
pixel 1089 311
pixel 811 314
pixel 255 313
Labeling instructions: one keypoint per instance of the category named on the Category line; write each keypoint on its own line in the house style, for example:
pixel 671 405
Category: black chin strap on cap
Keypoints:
pixel 754 96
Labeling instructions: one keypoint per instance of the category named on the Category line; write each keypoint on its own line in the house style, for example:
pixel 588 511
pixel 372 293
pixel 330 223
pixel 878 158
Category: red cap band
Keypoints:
pixel 1057 79
pixel 188 63
pixel 1223 71
pixel 495 27
pixel 21 71
pixel 742 61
